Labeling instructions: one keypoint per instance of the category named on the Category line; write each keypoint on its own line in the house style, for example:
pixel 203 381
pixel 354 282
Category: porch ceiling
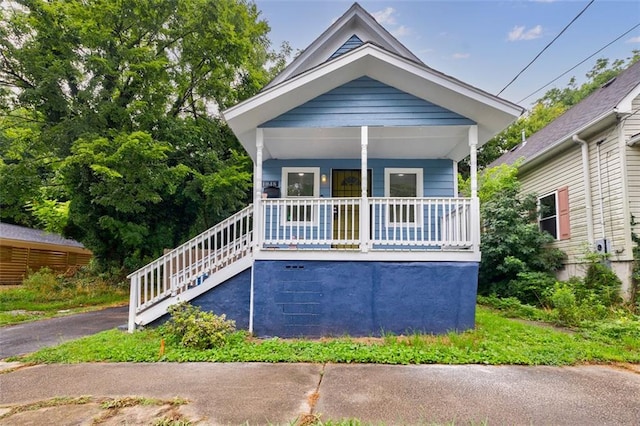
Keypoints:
pixel 384 142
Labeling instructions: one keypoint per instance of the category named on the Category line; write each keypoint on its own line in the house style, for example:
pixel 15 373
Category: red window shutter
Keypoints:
pixel 563 213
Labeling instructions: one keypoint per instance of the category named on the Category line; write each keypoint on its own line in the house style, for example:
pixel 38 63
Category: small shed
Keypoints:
pixel 23 249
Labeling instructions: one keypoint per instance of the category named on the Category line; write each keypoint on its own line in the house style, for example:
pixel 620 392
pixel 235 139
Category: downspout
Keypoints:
pixel 602 230
pixel 586 177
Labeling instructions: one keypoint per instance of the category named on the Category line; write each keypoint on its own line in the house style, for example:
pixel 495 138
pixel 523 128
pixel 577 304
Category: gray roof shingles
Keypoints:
pixel 589 109
pixel 21 233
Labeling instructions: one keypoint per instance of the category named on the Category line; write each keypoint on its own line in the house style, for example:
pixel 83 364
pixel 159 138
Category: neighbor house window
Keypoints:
pixel 548 214
pixel 553 214
pixel 403 183
pixel 300 183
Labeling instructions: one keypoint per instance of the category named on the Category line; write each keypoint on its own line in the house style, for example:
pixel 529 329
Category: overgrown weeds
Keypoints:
pixel 45 293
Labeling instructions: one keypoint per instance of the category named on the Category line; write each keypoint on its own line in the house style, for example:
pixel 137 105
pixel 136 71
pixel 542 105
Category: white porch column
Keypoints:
pixel 257 197
pixel 364 202
pixel 475 202
pixel 473 144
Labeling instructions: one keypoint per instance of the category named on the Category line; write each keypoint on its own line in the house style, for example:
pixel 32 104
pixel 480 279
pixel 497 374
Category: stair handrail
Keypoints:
pixel 179 269
pixel 219 225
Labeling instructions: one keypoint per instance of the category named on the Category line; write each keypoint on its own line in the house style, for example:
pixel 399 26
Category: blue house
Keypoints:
pixel 356 226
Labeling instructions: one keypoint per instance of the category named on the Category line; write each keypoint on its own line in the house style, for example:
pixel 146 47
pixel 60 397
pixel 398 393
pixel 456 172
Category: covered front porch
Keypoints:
pixel 340 193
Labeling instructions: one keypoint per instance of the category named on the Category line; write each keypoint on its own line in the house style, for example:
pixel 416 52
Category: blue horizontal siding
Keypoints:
pixel 437 173
pixel 367 102
pixel 353 42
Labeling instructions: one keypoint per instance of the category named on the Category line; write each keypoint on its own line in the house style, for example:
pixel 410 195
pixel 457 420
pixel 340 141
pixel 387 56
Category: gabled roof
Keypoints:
pixel 491 113
pixel 355 22
pixel 21 233
pixel 591 113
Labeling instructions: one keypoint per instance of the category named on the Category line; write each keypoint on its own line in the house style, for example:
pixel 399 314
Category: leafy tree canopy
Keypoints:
pixel 109 113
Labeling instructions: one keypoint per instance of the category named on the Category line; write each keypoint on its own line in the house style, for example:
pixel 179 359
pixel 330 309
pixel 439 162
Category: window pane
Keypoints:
pixel 300 184
pixel 548 215
pixel 403 185
pixel 402 213
pixel 549 225
pixel 548 206
pixel 299 213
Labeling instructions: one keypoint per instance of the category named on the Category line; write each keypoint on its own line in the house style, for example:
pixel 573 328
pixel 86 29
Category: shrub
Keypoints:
pixel 190 327
pixel 512 242
pixel 532 287
pixel 603 282
pixel 564 301
pixel 43 282
pixel 574 303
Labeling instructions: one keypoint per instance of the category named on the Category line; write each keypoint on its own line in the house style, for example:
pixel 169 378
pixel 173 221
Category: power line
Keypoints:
pixel 581 62
pixel 546 47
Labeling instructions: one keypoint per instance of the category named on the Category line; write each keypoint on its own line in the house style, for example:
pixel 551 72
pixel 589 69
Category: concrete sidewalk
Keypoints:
pixel 237 393
pixel 31 336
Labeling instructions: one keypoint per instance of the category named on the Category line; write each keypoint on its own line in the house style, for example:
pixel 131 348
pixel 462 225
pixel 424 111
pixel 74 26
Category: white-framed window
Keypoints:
pixel 300 183
pixel 554 214
pixel 403 183
pixel 548 213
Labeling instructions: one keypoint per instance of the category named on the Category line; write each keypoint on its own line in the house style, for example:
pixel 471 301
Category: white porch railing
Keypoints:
pixel 429 223
pixel 394 223
pixel 311 222
pixel 191 263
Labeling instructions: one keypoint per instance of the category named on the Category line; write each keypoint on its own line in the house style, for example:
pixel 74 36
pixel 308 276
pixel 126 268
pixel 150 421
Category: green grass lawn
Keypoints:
pixel 496 340
pixel 46 295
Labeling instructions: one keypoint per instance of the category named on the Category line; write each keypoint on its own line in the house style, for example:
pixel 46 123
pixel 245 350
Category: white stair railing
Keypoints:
pixel 190 264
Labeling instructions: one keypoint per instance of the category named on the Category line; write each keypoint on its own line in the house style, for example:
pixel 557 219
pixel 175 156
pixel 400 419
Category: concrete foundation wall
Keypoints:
pixel 231 298
pixel 624 271
pixel 321 298
pixel 315 298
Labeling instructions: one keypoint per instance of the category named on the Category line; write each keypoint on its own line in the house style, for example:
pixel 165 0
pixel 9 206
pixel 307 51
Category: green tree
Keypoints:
pixel 512 243
pixel 124 97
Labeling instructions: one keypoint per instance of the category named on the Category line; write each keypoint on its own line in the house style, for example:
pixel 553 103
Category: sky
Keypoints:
pixel 485 43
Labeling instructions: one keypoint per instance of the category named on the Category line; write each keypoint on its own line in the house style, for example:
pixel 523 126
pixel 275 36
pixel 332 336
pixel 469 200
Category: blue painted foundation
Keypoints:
pixel 320 298
pixel 230 298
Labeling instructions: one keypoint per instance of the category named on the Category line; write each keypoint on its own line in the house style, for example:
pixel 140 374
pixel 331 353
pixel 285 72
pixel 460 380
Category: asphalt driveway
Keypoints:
pixel 30 336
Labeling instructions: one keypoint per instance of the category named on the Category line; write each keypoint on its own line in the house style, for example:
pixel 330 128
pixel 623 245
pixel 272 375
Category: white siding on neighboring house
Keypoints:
pixel 609 218
pixel 563 170
pixel 566 170
pixel 612 196
pixel 632 127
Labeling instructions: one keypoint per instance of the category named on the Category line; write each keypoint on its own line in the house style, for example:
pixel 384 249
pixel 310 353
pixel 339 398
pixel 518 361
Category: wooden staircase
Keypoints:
pixel 191 269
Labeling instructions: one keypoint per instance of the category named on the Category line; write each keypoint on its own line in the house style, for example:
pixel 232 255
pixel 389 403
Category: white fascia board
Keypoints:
pixel 626 105
pixel 444 81
pixel 356 20
pixel 385 69
pixel 334 68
